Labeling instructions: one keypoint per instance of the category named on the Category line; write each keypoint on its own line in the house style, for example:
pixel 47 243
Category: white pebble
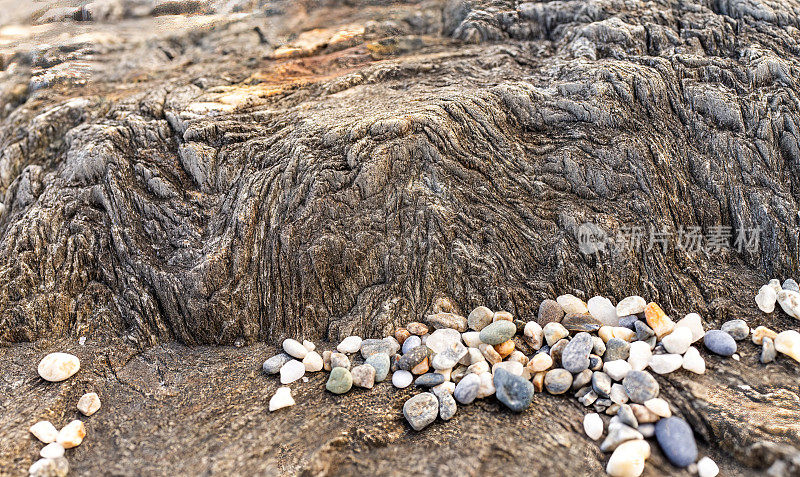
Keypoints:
pixel 659 407
pixel 89 403
pixel 603 310
pixel 665 363
pixel 54 450
pixel 789 300
pixel 309 345
pixel 788 343
pixel 631 305
pixel 442 339
pixel 766 298
pixel 486 388
pixel 294 348
pixel 617 369
pixel 471 338
pixel 72 434
pixel 695 325
pixel 628 459
pixel 281 399
pixel 572 304
pixel 402 379
pixel 313 362
pixel 512 367
pixel 593 425
pixel 291 371
pixel 678 341
pixel 58 366
pixel 44 431
pixel 639 355
pixel 351 344
pixel 692 361
pixel 707 468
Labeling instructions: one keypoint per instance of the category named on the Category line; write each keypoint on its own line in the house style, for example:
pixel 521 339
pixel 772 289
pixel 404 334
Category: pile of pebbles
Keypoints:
pixel 57 367
pixel 605 355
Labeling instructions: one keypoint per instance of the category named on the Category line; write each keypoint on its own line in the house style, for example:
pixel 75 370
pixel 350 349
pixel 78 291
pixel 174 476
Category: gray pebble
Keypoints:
pixel 581 379
pixel 641 386
pixel 617 349
pixel 575 357
pixel 629 322
pixel 549 311
pixel 598 346
pixel 421 410
pixel 790 284
pixel 595 362
pixel 447 406
pixel 768 353
pixel 643 332
pixel 498 332
pixel 557 381
pixel 676 440
pixel 413 357
pixel 601 383
pixel 429 380
pixel 719 342
pixel 588 397
pixel 738 329
pixel 626 416
pixel 410 343
pixel 273 365
pixel 448 320
pixel 480 318
pixel 381 363
pixel 514 391
pixel 617 434
pixel 370 347
pixel 467 389
pixel 340 360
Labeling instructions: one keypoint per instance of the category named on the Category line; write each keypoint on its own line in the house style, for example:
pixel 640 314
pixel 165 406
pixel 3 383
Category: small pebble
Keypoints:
pixel 617 349
pixel 617 434
pixel 363 376
pixel 421 410
pixel 350 345
pixel 581 379
pixel 429 380
pixel 648 430
pixel 313 362
pixel 789 300
pixel 557 381
pixel 498 332
pixel 448 320
pixel 294 348
pixel 549 312
pixel 88 404
pixel 761 332
pixel 626 416
pixel 467 389
pixel 401 335
pixel 49 468
pixel 677 441
pixel 282 398
pixel 572 304
pixel 557 350
pixel 661 324
pixel 512 367
pixel 766 298
pixel 422 368
pixel 738 329
pixel 554 332
pixel 505 349
pixel 72 434
pixel 632 305
pixel 490 354
pixel 472 339
pixel 386 345
pixel 639 355
pixel 309 345
pixel 44 431
pixel 678 341
pixel 707 468
pixel 340 360
pixel 593 426
pixel 411 343
pixel 665 363
pixel 643 415
pixel 768 352
pixel 790 284
pixel 274 364
pixel 628 459
pixel 326 360
pixel 54 450
pixel 414 357
pixel 479 368
pixel 659 406
pixel 487 385
pixel 292 371
pixel 340 380
pixel 695 325
pixel 402 379
pixel 479 318
pixel 788 343
pixel 618 394
pixel 534 335
pixel 381 363
pixel 628 321
pixel 617 370
pixel 57 367
pixel 641 386
pixel 502 315
pixel 417 328
pixel 447 406
pixel 719 342
pixel 513 391
pixel 692 361
pixel 601 384
pixel 602 309
pixel 575 357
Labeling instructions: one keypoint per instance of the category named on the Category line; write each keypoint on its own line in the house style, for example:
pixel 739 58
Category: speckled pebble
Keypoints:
pixel 640 386
pixel 421 410
pixel 738 329
pixel 557 381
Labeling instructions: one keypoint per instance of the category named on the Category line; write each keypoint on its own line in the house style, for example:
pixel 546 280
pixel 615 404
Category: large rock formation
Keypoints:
pixel 229 173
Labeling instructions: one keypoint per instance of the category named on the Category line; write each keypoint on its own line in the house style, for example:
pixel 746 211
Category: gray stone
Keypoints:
pixel 448 320
pixel 581 379
pixel 575 357
pixel 617 434
pixel 599 346
pixel 738 329
pixel 641 386
pixel 719 342
pixel 467 389
pixel 768 352
pixel 429 380
pixel 447 406
pixel 413 358
pixel 643 331
pixel 601 383
pixel 595 362
pixel 557 381
pixel 498 332
pixel 549 311
pixel 421 410
pixel 616 349
pixel 339 381
pixel 790 284
pixel 370 347
pixel 676 439
pixel 514 391
pixel 480 318
pixel 274 364
pixel 381 363
pixel 629 321
pixel 626 416
pixel 448 358
pixel 340 360
pixel 410 343
pixel 588 397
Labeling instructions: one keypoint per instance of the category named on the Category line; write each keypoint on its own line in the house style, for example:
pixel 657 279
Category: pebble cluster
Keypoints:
pixel 605 355
pixel 57 367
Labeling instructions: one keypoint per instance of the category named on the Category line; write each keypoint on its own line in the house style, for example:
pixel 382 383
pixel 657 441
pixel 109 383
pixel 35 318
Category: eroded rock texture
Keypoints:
pixel 247 172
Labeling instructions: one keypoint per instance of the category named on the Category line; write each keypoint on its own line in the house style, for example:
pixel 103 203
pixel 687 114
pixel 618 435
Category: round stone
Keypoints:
pixel 617 348
pixel 534 334
pixel 340 360
pixel 593 426
pixel 665 363
pixel 313 362
pixel 719 342
pixel 363 376
pixel 658 406
pixel 274 364
pixel 417 328
pixel 350 345
pixel 572 304
pixel 540 362
pixel 601 384
pixel 294 348
pixel 678 341
pixel 380 362
pixel 766 298
pixel 292 371
pixel 641 386
pixel 790 284
pixel 402 379
pixel 421 410
pixel 414 357
pixel 618 394
pixel 639 355
pixel 487 385
pixel 514 391
pixel 626 416
pixel 617 370
pixel 788 343
pixel 498 332
pixel 602 309
pixel 467 389
pixel 281 399
pixel 57 367
pixel 89 404
pixel 339 381
pixel 428 380
pixel 632 305
pixel 479 318
pixel 49 468
pixel 695 325
pixel 549 312
pixel 628 459
pixel 789 300
pixel 410 343
pixel 692 361
pixel 443 339
pixel 707 468
pixel 557 381
pixel 513 367
pixel 553 332
pixel 677 441
pixel 738 329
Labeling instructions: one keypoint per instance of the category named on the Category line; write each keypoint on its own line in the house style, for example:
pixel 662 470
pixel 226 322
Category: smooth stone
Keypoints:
pixel 490 354
pixel 447 320
pixel 380 362
pixel 593 426
pixel 678 341
pixel 628 321
pixel 540 362
pixel 659 406
pixel 599 346
pixel 479 368
pixel 575 322
pixel 281 399
pixel 514 391
pixel 533 334
pixel 363 376
pixel 421 410
pixel 519 357
pixel 350 345
pixel 677 441
pixel 448 358
pixel 639 355
pixel 665 363
pixel 656 319
pixel 294 348
pixel 339 381
pixel 601 384
pixel 695 325
pixel 57 367
pixel 292 371
pixel 626 416
pixel 44 431
pixel 581 379
pixel 421 368
pixel 618 394
pixel 707 468
pixel 692 361
pixel 617 370
pixel 467 389
pixel 738 329
pixel 628 460
pixel 761 332
pixel 608 332
pixel 719 342
pixel 417 328
pixel 617 434
pixel 498 332
pixel 768 351
pixel 641 386
pixel 49 468
pixel 549 312
pixel 447 406
pixel 410 343
pixel 575 356
pixel 89 404
pixel 643 332
pixel 571 304
pixel 602 309
pixel 595 362
pixel 617 349
pixel 54 450
pixel 402 379
pixel 502 315
pixel 557 381
pixel 479 318
pixel 414 357
pixel 554 332
pixel 512 367
pixel 472 339
pixel 643 415
pixel 443 339
pixel 274 364
pixel 72 434
pixel 429 380
pixel 371 347
pixel 648 430
pixel 313 362
pixel 790 284
pixel 340 360
pixel 446 387
pixel 632 305
pixel 789 300
pixel 766 299
pixel 505 349
pixel 487 385
pixel 788 343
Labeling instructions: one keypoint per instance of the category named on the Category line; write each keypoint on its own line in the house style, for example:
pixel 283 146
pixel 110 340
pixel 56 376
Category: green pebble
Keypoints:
pixel 498 332
pixel 340 381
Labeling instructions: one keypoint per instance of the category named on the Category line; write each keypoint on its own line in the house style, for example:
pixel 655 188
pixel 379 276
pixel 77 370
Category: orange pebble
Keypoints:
pixel 505 349
pixel 658 320
pixel 401 335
